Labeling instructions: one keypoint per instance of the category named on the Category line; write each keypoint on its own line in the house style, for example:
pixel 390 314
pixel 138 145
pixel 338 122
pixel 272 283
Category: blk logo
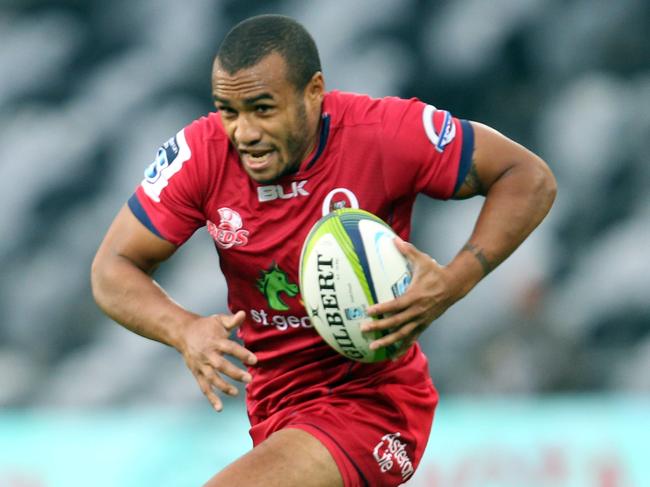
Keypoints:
pixel 276 191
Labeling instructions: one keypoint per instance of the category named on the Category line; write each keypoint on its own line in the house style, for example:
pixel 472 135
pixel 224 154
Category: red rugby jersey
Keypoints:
pixel 374 154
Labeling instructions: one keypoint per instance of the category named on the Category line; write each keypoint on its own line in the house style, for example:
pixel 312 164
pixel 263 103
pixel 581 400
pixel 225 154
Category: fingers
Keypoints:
pixel 406 316
pixel 391 307
pixel 404 333
pixel 407 249
pixel 205 350
pixel 209 381
pixel 233 321
pixel 211 374
pixel 225 367
pixel 393 320
pixel 410 251
pixel 207 391
pixel 234 349
pixel 230 347
pixel 424 273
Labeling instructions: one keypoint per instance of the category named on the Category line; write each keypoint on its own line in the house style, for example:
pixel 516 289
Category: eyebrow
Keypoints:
pixel 247 101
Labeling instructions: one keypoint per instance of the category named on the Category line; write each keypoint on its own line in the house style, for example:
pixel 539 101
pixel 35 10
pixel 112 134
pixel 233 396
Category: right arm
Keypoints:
pixel 124 289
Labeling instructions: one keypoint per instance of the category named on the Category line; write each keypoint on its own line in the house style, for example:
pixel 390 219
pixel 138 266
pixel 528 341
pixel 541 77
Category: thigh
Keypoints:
pixel 287 458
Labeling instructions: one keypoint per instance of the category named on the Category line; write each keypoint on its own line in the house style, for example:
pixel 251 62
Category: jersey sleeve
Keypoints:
pixel 425 149
pixel 168 200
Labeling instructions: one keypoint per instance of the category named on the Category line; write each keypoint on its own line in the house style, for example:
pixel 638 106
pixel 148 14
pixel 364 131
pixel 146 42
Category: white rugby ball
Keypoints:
pixel 349 262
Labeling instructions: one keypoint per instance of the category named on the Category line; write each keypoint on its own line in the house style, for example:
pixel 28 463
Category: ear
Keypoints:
pixel 315 89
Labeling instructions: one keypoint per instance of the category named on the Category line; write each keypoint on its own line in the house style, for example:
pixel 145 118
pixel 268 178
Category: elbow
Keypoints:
pixel 97 279
pixel 546 184
pixel 104 284
pixel 541 184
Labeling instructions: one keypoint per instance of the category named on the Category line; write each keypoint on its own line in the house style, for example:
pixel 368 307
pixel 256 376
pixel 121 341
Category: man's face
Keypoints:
pixel 272 125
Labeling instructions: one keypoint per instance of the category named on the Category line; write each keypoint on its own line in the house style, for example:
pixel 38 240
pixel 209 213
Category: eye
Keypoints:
pixel 227 111
pixel 263 109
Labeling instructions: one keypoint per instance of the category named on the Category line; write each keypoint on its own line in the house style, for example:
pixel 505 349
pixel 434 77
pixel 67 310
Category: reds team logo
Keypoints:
pixel 229 232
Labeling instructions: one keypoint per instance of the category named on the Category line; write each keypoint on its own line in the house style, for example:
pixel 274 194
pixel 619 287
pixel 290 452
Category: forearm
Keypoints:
pixel 519 189
pixel 514 205
pixel 132 298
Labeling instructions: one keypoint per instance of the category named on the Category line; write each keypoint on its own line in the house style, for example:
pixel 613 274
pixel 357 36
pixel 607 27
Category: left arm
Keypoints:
pixel 519 190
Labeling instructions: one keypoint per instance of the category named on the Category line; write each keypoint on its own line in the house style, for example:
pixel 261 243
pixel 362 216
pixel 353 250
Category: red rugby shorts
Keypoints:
pixel 377 435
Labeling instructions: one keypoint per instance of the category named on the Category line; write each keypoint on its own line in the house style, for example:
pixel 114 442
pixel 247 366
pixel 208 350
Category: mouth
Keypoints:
pixel 258 160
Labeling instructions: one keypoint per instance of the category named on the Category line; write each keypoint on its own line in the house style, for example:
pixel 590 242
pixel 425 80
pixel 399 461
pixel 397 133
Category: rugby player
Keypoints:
pixel 278 153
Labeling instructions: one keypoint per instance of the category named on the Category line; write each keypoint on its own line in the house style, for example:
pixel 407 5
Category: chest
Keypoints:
pixel 259 226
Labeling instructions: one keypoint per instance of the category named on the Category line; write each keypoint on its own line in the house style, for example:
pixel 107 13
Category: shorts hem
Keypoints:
pixel 350 472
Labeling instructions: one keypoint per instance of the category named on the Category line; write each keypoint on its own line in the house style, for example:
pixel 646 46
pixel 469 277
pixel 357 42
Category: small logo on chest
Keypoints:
pixel 274 281
pixel 277 191
pixel 229 233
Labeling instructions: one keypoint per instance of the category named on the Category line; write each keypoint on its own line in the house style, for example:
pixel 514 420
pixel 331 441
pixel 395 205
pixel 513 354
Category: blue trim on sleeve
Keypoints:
pixel 466 153
pixel 141 214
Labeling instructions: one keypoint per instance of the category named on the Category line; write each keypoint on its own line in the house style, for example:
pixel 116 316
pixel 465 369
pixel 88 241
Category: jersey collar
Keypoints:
pixel 322 140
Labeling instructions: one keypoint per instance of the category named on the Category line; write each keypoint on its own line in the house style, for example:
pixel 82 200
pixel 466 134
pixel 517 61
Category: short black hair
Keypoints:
pixel 255 38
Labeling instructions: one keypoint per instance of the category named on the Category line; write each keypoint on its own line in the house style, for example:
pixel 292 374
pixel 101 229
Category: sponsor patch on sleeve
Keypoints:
pixel 439 127
pixel 169 160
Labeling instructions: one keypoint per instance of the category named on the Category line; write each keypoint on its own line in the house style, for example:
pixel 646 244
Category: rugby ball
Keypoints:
pixel 349 262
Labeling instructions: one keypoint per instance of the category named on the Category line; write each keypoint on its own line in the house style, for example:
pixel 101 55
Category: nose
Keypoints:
pixel 246 131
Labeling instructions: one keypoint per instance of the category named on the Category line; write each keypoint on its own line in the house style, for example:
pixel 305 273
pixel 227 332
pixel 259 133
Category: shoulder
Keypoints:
pixel 348 109
pixel 189 159
pixel 205 129
pixel 207 143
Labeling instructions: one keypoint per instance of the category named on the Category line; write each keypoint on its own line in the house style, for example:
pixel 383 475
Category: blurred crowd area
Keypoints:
pixel 90 89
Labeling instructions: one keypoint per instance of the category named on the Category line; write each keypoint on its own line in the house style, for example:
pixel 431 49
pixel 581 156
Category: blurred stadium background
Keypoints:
pixel 544 370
